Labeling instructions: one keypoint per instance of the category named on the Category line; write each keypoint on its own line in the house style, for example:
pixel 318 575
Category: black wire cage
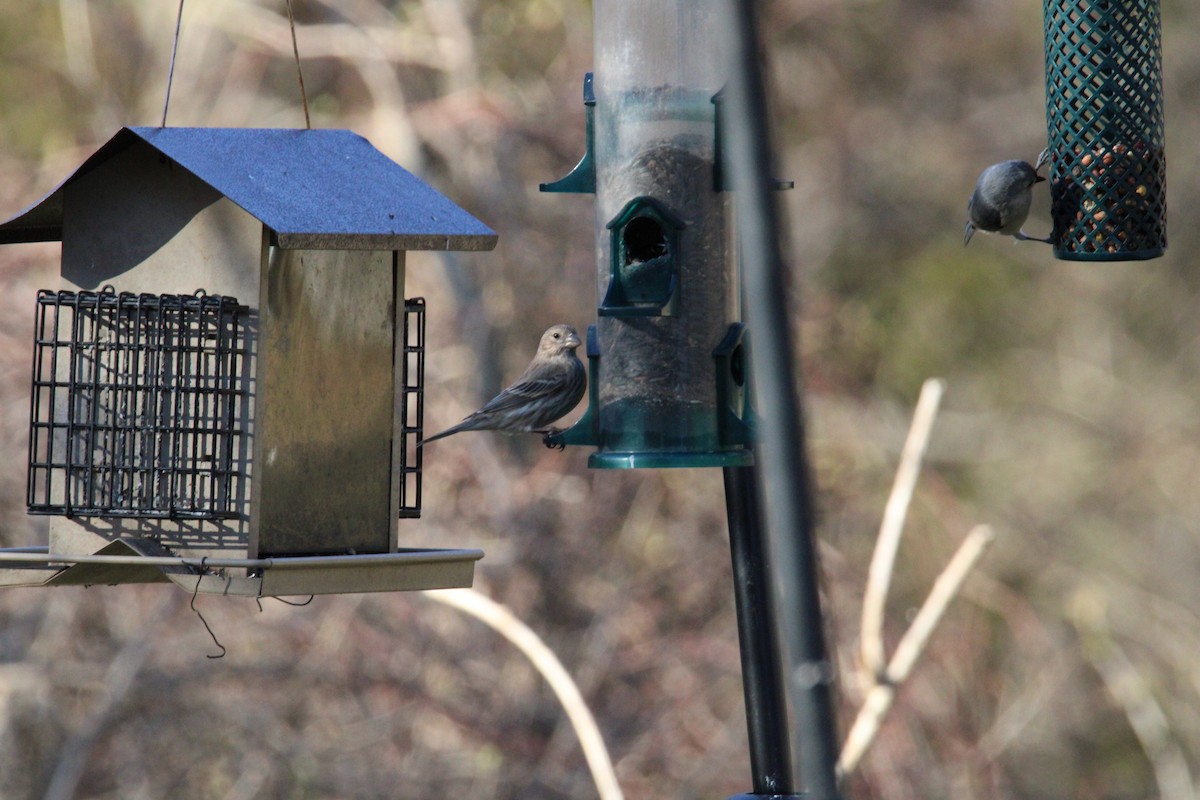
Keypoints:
pixel 135 405
pixel 136 401
pixel 412 407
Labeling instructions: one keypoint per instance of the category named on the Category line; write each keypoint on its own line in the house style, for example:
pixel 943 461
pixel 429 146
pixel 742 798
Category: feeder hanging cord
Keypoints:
pixel 171 69
pixel 295 52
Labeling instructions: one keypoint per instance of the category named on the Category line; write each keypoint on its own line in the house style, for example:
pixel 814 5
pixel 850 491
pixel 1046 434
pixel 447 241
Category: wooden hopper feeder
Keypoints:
pixel 226 387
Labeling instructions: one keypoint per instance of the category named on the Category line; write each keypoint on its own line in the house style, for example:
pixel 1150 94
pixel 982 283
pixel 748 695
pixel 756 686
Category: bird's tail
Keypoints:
pixel 462 426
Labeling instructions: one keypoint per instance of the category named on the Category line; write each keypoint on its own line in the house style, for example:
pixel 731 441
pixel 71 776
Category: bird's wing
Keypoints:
pixel 987 218
pixel 519 395
pixel 533 385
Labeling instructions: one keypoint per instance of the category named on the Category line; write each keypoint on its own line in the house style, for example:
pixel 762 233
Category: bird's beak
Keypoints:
pixel 572 341
pixel 1038 179
pixel 968 232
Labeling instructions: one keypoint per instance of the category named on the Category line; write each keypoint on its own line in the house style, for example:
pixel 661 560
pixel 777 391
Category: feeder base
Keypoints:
pixel 667 460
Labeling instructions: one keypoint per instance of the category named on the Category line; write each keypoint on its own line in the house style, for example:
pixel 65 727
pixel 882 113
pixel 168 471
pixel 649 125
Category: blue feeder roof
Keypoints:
pixel 315 189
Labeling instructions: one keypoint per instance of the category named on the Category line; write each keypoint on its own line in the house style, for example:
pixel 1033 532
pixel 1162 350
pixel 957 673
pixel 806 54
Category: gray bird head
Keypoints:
pixel 557 340
pixel 1001 200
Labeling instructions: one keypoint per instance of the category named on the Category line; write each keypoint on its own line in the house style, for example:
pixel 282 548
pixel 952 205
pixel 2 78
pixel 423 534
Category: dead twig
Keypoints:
pixel 883 693
pixel 879 576
pixel 1088 612
pixel 504 622
pixel 119 682
pixel 884 676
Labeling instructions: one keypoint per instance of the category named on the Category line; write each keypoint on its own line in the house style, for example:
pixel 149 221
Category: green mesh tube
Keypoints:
pixel 1104 118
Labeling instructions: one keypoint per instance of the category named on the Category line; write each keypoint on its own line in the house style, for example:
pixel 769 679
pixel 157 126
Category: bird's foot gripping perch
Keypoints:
pixel 1022 236
pixel 1042 160
pixel 553 439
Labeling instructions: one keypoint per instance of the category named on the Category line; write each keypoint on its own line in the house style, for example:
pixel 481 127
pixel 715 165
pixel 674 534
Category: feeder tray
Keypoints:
pixel 142 561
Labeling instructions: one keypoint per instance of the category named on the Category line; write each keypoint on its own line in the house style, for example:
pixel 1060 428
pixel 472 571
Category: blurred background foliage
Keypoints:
pixel 1068 668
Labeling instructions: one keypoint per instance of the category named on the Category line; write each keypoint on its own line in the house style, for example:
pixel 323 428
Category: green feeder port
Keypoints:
pixel 1104 118
pixel 642 249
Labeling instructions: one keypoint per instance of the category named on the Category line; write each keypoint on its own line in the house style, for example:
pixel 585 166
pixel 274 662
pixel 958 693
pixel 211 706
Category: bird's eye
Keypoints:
pixel 558 336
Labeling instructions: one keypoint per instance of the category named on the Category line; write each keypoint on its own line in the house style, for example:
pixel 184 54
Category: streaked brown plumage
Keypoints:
pixel 552 385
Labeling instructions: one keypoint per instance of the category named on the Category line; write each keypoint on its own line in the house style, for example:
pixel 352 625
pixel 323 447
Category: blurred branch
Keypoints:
pixel 1014 718
pixel 883 561
pixel 883 692
pixel 884 676
pixel 79 52
pixel 912 644
pixel 372 51
pixel 501 620
pixel 119 681
pixel 454 42
pixel 353 43
pixel 1088 612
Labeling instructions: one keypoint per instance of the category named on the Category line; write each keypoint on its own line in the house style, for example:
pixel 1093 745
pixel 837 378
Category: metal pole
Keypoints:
pixel 780 455
pixel 758 638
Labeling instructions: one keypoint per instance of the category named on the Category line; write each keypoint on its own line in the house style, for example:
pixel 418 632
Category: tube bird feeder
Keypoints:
pixel 667 380
pixel 1104 118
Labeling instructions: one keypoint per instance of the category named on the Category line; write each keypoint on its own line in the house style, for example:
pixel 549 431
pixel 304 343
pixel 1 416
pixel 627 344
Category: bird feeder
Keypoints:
pixel 1104 115
pixel 666 288
pixel 228 380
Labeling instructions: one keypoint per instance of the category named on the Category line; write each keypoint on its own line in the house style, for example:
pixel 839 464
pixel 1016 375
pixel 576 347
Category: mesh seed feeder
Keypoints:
pixel 229 379
pixel 667 386
pixel 1104 115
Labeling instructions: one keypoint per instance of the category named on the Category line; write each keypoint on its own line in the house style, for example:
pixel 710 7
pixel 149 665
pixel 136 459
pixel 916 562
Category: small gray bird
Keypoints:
pixel 1001 200
pixel 549 388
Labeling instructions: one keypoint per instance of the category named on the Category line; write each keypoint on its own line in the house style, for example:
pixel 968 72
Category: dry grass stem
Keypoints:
pixel 883 693
pixel 883 560
pixel 120 680
pixel 504 622
pixel 1088 612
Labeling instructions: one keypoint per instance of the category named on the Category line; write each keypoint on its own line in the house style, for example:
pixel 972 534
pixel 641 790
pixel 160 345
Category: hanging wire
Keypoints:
pixel 295 52
pixel 203 621
pixel 171 70
pixel 297 603
pixel 299 72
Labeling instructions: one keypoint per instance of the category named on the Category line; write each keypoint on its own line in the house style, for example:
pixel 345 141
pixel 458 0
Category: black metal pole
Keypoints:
pixel 758 637
pixel 780 455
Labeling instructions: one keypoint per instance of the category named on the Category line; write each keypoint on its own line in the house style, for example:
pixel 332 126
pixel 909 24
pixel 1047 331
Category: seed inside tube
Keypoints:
pixel 1103 200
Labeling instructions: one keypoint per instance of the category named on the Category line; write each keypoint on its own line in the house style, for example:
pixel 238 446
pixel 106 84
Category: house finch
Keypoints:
pixel 550 387
pixel 1001 200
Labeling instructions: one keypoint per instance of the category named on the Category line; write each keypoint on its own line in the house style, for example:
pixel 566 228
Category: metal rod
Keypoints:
pixel 780 456
pixel 758 637
pixel 44 556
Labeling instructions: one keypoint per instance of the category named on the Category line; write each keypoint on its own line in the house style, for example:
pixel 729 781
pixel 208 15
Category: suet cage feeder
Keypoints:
pixel 666 285
pixel 1104 116
pixel 227 386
